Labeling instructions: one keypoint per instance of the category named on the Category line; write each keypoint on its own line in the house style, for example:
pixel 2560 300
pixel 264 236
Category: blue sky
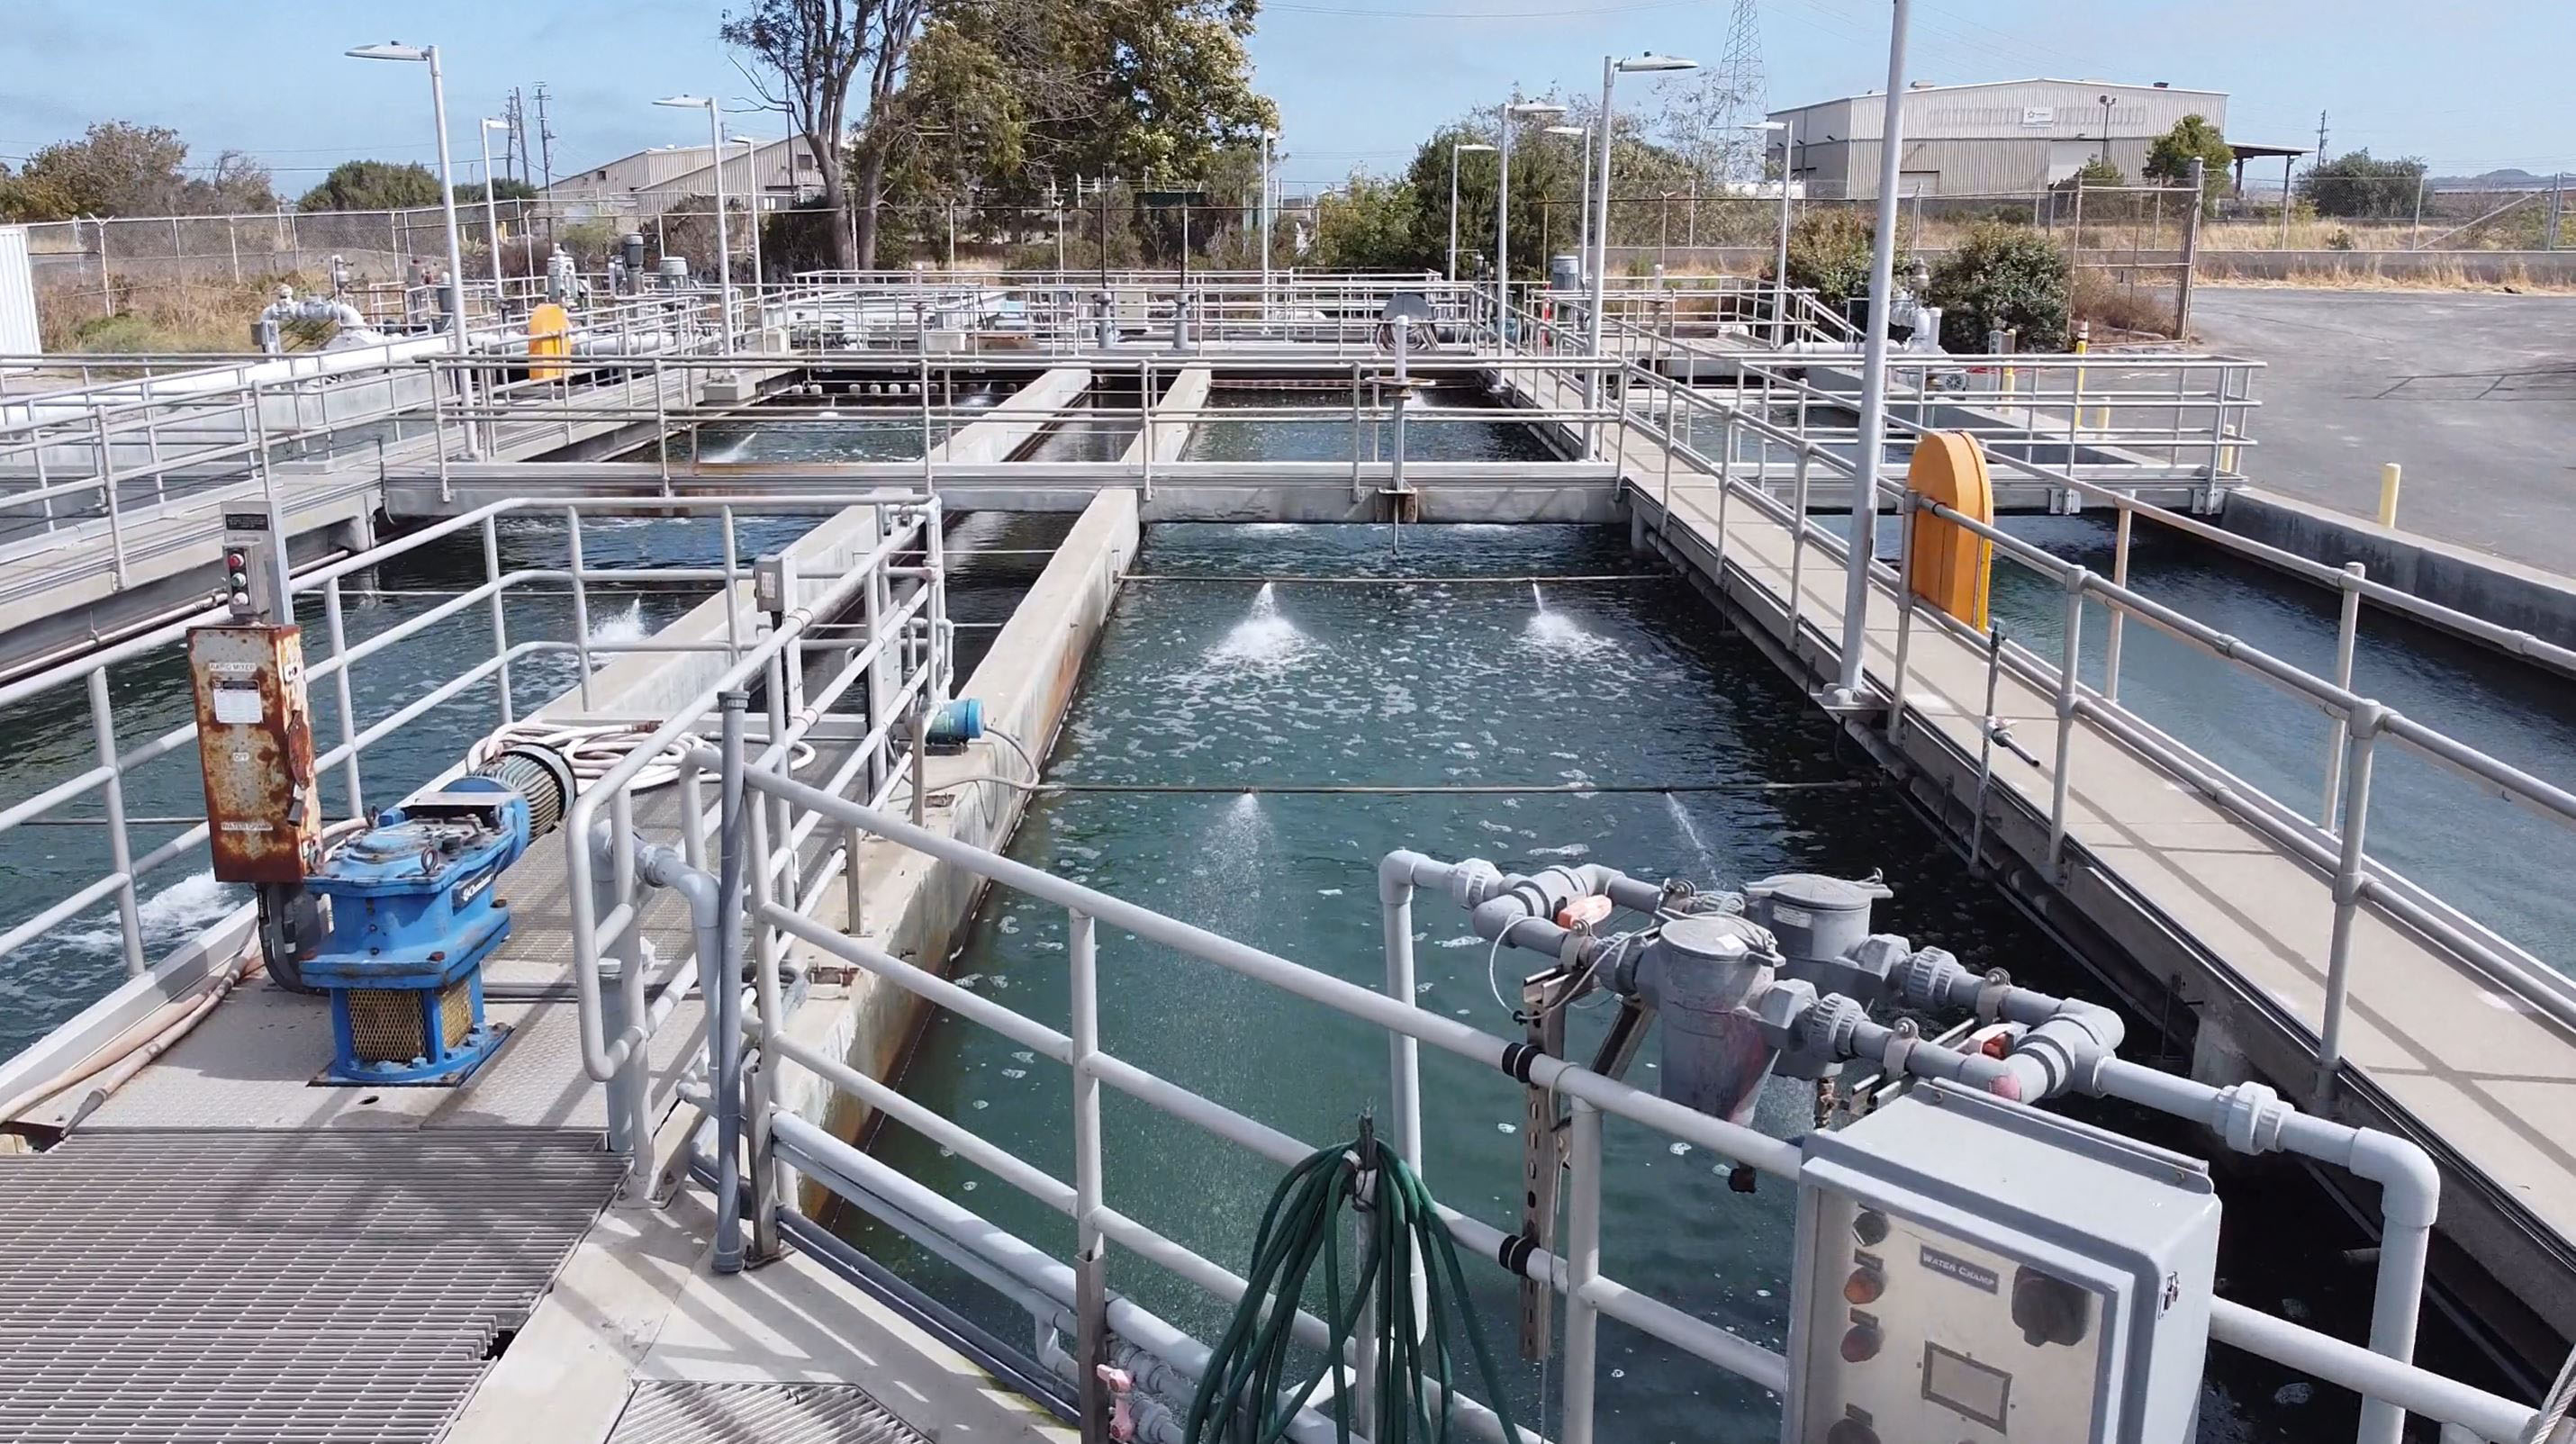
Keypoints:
pixel 1358 81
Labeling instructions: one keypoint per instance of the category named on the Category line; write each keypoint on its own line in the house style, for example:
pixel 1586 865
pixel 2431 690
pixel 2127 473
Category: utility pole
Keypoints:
pixel 545 142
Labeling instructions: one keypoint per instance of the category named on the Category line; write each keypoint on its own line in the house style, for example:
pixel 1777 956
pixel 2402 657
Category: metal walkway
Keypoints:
pixel 678 1412
pixel 217 1285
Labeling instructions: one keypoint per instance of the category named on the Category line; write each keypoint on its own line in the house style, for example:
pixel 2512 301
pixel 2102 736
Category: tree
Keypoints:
pixel 1829 254
pixel 507 188
pixel 810 53
pixel 1368 225
pixel 115 170
pixel 2095 174
pixel 373 185
pixel 2004 276
pixel 2170 156
pixel 1006 105
pixel 2359 184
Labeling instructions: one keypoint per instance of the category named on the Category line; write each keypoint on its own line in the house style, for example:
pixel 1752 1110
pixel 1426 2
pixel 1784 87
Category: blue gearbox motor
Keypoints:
pixel 414 913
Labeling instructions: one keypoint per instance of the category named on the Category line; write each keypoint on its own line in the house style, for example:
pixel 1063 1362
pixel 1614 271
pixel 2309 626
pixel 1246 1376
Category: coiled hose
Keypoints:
pixel 594 750
pixel 1243 1398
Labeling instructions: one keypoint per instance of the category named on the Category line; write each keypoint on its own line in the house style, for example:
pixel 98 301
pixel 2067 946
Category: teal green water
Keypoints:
pixel 1271 439
pixel 1225 684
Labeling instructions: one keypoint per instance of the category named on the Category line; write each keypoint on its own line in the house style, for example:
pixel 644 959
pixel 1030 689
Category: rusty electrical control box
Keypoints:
pixel 255 743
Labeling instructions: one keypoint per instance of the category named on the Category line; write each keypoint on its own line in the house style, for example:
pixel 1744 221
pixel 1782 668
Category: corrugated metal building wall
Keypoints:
pixel 2009 137
pixel 18 331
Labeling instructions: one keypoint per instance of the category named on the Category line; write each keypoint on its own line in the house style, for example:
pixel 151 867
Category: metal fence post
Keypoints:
pixel 2349 879
pixel 2347 630
pixel 1905 510
pixel 1091 1317
pixel 580 599
pixel 2069 661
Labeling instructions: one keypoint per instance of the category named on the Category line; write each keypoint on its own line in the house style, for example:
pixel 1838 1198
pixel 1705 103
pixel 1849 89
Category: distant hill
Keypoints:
pixel 2508 179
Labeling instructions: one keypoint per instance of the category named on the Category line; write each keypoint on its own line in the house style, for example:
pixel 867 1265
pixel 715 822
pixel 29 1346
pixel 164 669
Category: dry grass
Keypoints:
pixel 162 316
pixel 2515 281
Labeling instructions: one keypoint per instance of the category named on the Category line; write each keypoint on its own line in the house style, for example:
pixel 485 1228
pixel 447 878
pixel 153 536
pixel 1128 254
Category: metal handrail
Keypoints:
pixel 781 1137
pixel 2339 853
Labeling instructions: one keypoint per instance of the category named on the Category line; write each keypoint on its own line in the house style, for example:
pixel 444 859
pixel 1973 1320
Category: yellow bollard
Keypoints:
pixel 2388 481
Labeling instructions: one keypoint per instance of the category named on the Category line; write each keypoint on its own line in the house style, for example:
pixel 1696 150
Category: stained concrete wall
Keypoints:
pixel 2506 593
pixel 1187 393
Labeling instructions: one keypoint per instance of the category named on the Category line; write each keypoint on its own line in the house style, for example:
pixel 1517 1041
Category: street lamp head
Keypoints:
pixel 1764 125
pixel 1569 130
pixel 1650 61
pixel 1470 145
pixel 688 102
pixel 1537 109
pixel 491 124
pixel 390 50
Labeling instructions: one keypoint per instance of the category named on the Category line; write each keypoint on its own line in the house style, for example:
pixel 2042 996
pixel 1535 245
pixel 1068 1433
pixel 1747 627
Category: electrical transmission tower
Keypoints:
pixel 1739 76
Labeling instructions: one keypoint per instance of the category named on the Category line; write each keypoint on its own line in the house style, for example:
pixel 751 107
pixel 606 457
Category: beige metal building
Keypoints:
pixel 650 181
pixel 2002 137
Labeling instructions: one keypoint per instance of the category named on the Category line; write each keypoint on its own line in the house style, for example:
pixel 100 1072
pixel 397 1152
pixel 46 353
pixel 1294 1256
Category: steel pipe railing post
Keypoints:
pixel 1091 1325
pixel 1404 1052
pixel 2120 578
pixel 2347 630
pixel 724 1023
pixel 129 919
pixel 1582 1268
pixel 2350 878
pixel 500 614
pixel 339 635
pixel 2069 666
pixel 580 599
pixel 1905 604
pixel 1798 541
pixel 1725 485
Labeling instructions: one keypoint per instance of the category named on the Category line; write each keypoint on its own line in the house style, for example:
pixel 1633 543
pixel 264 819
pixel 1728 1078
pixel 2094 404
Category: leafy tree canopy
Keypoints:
pixel 118 169
pixel 2358 183
pixel 2170 156
pixel 373 185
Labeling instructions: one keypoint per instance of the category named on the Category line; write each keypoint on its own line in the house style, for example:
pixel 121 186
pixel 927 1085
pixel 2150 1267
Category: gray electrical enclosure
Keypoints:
pixel 1973 1270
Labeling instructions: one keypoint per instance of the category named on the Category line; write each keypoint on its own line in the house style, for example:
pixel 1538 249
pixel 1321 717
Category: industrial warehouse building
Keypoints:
pixel 2003 137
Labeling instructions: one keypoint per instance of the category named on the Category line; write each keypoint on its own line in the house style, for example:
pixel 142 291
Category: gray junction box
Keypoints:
pixel 1972 1270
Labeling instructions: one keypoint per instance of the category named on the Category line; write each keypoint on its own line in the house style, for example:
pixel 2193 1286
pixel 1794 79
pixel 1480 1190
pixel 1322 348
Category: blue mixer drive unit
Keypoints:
pixel 415 911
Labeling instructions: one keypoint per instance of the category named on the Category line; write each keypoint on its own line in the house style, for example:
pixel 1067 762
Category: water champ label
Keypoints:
pixel 1975 1276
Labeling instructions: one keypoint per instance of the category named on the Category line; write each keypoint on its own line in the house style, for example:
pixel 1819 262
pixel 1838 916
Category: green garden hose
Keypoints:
pixel 1246 1396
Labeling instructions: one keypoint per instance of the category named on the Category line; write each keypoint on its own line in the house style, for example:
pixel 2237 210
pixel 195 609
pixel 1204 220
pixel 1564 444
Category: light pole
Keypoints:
pixel 1873 371
pixel 1455 148
pixel 1582 135
pixel 2107 102
pixel 491 210
pixel 724 256
pixel 1611 68
pixel 1545 110
pixel 751 161
pixel 428 55
pixel 1780 253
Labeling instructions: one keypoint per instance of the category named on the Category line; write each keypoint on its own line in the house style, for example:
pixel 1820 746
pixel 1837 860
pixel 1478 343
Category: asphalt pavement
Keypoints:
pixel 2473 394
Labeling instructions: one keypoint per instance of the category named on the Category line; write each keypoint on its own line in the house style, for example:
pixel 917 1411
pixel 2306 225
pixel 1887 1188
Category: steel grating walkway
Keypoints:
pixel 221 1287
pixel 671 1412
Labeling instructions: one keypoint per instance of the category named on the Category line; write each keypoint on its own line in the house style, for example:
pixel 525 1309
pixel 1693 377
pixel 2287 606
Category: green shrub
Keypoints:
pixel 1829 251
pixel 2002 276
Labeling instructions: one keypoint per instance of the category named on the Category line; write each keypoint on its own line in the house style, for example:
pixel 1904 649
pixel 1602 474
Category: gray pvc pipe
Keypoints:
pixel 2410 1191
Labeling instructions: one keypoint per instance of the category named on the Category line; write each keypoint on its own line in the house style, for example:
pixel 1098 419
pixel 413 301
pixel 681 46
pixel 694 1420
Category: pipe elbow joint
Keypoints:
pixel 2410 1185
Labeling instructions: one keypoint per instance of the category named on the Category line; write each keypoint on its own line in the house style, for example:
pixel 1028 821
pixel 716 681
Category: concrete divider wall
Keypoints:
pixel 1187 393
pixel 2506 593
pixel 915 907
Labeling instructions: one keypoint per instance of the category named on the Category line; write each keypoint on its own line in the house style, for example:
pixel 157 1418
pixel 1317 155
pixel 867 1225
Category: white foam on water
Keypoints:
pixel 618 629
pixel 169 917
pixel 1263 638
